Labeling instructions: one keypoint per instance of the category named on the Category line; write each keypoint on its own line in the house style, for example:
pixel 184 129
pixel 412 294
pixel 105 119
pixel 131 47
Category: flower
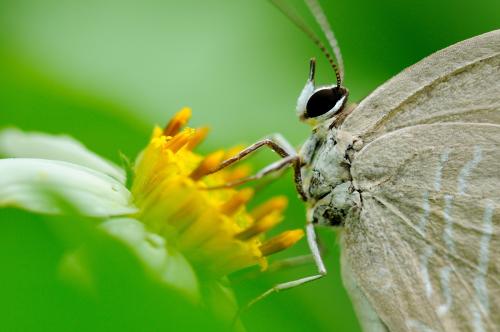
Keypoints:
pixel 170 214
pixel 211 227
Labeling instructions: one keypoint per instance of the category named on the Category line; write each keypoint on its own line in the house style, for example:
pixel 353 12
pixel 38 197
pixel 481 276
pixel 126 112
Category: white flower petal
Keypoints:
pixel 42 185
pixel 15 143
pixel 167 263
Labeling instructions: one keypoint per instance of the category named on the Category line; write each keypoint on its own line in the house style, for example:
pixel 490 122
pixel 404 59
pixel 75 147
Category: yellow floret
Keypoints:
pixel 212 228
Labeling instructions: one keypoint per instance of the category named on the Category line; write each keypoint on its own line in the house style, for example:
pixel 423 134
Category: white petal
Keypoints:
pixel 41 185
pixel 167 263
pixel 15 143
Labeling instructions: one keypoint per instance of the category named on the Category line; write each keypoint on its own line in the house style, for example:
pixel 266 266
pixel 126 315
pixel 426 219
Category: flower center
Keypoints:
pixel 213 228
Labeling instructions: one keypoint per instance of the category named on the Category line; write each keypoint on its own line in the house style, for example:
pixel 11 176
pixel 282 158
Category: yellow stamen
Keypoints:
pixel 281 242
pixel 179 140
pixel 238 173
pixel 178 121
pixel 260 227
pixel 238 200
pixel 278 204
pixel 158 142
pixel 198 136
pixel 207 165
pixel 186 214
pixel 157 132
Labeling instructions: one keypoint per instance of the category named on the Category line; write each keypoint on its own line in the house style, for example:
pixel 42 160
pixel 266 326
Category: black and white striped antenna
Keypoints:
pixel 322 21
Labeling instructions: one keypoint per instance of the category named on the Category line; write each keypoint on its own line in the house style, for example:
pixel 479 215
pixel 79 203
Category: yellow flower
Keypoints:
pixel 212 228
pixel 170 217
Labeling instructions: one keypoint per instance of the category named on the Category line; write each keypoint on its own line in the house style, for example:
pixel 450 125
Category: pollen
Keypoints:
pixel 213 228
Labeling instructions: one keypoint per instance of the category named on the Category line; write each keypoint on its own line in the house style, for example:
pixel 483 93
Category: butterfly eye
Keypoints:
pixel 325 100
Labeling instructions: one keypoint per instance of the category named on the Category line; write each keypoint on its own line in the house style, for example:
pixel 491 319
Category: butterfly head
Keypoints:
pixel 318 104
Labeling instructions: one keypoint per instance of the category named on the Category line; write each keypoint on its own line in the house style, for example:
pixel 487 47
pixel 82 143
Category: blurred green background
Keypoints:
pixel 106 71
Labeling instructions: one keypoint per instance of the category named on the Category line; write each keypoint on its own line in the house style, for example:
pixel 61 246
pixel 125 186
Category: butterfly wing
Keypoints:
pixel 459 83
pixel 367 316
pixel 425 252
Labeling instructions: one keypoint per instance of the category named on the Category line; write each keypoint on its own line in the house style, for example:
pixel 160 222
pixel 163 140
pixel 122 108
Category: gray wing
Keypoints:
pixel 426 249
pixel 459 83
pixel 367 316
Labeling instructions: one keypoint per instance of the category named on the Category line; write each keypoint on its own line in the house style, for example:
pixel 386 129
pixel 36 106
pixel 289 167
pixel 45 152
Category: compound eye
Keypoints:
pixel 323 101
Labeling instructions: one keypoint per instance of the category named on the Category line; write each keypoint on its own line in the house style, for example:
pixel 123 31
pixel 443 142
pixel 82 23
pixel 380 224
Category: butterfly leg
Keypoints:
pixel 313 246
pixel 272 168
pixel 275 142
pixel 278 144
pixel 282 264
pixel 297 261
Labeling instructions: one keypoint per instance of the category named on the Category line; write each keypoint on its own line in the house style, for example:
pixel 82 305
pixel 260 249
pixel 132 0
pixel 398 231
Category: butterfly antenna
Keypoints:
pixel 320 17
pixel 299 22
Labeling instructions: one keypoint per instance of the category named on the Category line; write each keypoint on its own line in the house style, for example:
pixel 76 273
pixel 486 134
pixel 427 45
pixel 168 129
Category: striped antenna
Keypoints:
pixel 320 17
pixel 301 24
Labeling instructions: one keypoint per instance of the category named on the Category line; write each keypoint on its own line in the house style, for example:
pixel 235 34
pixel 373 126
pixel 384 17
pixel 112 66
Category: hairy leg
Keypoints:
pixel 275 142
pixel 315 252
pixel 278 144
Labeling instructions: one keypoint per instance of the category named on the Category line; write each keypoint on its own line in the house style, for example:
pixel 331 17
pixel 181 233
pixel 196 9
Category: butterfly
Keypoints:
pixel 411 175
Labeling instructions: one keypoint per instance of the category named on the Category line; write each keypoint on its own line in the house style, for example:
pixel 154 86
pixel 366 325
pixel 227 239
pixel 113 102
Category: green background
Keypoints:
pixel 106 71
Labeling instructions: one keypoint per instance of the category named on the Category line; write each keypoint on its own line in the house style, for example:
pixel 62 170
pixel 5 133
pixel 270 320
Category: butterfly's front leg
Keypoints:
pixel 314 248
pixel 278 144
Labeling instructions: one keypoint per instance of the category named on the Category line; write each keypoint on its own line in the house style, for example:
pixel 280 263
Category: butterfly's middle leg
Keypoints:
pixel 314 248
pixel 278 144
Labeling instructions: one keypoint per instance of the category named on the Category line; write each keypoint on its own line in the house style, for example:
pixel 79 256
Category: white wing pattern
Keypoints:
pixel 426 250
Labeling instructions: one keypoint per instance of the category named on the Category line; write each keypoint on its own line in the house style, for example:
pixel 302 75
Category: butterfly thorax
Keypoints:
pixel 326 176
